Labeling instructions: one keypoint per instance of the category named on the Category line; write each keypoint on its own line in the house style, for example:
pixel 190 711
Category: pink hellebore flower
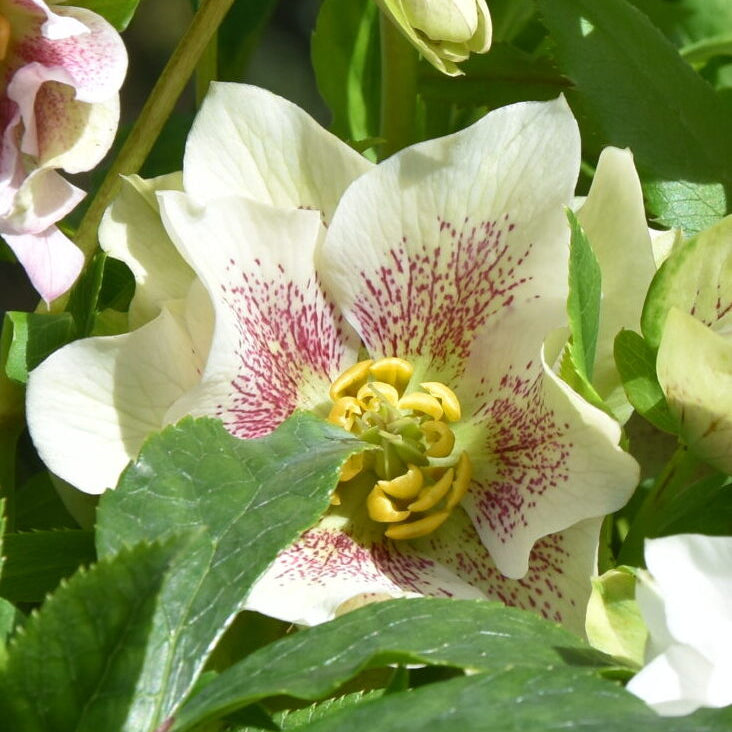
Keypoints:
pixel 62 68
pixel 448 264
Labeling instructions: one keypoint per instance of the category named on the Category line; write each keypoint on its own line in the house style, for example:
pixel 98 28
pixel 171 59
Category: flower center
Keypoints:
pixel 4 36
pixel 420 478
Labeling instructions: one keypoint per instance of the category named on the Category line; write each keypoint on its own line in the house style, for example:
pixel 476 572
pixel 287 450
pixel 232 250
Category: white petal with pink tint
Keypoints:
pixel 445 236
pixel 51 260
pixel 87 427
pixel 544 459
pixel 279 340
pixel 247 141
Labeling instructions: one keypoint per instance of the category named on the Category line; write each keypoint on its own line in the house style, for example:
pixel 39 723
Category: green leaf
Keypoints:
pixel 696 278
pixel 583 301
pixel 531 699
pixel 117 12
pixel 38 506
pixel 36 562
pixel 248 499
pixel 76 664
pixel 503 76
pixel 34 337
pixel 705 507
pixel 632 89
pixel 345 56
pixel 468 634
pixel 636 363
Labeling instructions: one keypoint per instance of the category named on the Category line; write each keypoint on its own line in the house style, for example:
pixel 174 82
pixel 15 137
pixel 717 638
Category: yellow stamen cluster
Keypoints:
pixel 419 480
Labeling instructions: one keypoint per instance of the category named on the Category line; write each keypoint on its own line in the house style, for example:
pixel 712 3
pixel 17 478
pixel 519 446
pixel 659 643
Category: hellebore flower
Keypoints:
pixel 488 476
pixel 445 32
pixel 686 601
pixel 688 316
pixel 62 69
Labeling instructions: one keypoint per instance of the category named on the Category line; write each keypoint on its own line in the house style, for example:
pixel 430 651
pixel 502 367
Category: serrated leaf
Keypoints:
pixel 531 699
pixel 633 90
pixel 34 337
pixel 76 664
pixel 36 562
pixel 345 56
pixel 468 634
pixel 636 363
pixel 583 301
pixel 248 499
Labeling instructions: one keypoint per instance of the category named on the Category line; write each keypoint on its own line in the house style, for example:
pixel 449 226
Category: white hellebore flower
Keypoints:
pixel 688 316
pixel 686 602
pixel 445 32
pixel 448 264
pixel 59 107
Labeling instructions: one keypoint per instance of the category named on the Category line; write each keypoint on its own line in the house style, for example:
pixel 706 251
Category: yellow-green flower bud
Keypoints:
pixel 445 32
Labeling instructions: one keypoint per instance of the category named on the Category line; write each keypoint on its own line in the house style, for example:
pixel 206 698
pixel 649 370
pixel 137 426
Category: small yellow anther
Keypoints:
pixel 405 486
pixel 352 467
pixel 430 496
pixel 344 412
pixel 335 499
pixel 447 397
pixel 377 390
pixel 381 508
pixel 463 476
pixel 418 401
pixel 440 439
pixel 415 529
pixel 394 371
pixel 350 381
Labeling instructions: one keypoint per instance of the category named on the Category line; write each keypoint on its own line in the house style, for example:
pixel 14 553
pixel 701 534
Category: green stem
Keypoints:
pixel 207 69
pixel 156 111
pixel 672 480
pixel 398 89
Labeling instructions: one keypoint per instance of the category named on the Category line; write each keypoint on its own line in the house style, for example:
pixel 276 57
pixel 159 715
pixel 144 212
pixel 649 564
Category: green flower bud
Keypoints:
pixel 445 32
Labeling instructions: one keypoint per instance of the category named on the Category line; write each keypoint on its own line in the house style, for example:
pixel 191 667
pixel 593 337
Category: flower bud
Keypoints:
pixel 443 31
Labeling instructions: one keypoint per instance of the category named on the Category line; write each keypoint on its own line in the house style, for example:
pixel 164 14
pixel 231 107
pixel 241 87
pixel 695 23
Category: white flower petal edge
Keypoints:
pixel 450 234
pixel 614 220
pixel 87 427
pixel 279 339
pixel 545 459
pixel 694 368
pixel 131 230
pixel 687 604
pixel 268 149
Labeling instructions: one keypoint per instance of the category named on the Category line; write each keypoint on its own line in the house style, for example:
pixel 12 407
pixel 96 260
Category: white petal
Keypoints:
pixel 91 404
pixel 133 231
pixel 614 219
pixel 279 339
pixel 693 574
pixel 450 234
pixel 544 460
pixel 247 141
pixel 51 260
pixel 694 368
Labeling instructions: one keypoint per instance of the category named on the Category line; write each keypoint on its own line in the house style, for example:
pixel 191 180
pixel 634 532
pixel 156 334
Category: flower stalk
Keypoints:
pixel 154 114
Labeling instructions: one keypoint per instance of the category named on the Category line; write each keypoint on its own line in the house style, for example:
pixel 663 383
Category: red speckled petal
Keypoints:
pixel 543 458
pixel 250 142
pixel 441 239
pixel 278 340
pixel 334 565
pixel 74 46
pixel 557 581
